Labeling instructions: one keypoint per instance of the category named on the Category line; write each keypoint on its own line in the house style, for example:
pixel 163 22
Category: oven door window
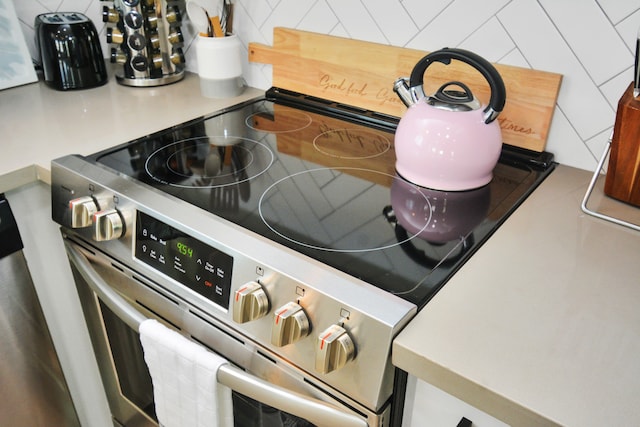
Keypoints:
pixel 136 386
pixel 128 360
pixel 249 413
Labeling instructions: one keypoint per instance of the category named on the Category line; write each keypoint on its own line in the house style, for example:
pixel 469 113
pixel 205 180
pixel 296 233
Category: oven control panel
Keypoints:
pixel 185 259
pixel 290 323
pixel 208 271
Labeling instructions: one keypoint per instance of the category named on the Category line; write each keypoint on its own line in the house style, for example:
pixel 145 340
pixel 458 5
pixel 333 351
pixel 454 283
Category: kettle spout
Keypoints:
pixel 407 95
pixel 401 88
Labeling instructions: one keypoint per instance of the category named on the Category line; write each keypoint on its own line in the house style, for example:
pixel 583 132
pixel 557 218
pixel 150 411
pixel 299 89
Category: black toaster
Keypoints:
pixel 69 50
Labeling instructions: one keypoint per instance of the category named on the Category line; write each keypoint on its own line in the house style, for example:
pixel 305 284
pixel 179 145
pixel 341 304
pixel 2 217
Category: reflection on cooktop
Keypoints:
pixel 316 223
pixel 327 188
pixel 339 143
pixel 208 162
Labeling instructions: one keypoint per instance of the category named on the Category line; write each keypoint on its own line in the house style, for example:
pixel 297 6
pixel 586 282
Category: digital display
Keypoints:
pixel 184 249
pixel 200 267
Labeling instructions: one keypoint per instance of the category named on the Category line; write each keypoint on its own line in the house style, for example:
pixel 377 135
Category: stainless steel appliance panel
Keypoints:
pixel 371 319
pixel 35 392
pixel 115 298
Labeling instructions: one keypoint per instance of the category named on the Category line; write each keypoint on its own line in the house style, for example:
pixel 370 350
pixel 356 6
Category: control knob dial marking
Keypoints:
pixel 290 324
pixel 250 302
pixel 334 348
pixel 82 211
pixel 107 225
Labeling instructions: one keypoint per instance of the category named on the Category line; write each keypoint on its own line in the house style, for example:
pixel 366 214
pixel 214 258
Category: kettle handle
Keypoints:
pixel 488 71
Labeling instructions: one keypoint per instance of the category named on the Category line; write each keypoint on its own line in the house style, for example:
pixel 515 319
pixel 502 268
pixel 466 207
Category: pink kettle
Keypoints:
pixel 449 141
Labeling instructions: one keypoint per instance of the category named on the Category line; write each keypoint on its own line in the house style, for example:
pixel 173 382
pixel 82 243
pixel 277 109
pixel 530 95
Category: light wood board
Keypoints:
pixel 362 74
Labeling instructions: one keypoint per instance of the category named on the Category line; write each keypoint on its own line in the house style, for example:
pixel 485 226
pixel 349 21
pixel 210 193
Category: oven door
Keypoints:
pixel 116 300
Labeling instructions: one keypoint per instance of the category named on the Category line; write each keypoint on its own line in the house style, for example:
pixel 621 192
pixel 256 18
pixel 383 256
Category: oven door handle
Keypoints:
pixel 312 410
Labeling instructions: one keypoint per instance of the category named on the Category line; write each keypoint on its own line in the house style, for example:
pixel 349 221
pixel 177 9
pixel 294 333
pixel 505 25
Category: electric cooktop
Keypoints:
pixel 319 178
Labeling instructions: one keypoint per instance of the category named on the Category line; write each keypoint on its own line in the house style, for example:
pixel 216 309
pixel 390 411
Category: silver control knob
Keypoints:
pixel 107 225
pixel 82 210
pixel 290 323
pixel 250 302
pixel 334 348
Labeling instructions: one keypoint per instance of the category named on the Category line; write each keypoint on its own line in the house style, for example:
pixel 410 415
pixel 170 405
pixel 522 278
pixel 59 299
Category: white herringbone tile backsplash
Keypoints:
pixel 590 42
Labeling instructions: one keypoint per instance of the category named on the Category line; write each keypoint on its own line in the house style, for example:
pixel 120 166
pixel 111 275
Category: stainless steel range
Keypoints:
pixel 278 234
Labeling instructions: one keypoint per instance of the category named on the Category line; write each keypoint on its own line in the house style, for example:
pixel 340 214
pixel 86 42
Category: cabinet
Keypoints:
pixel 428 406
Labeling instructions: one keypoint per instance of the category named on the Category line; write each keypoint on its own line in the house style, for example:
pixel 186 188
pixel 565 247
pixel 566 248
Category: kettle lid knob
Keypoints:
pixel 454 96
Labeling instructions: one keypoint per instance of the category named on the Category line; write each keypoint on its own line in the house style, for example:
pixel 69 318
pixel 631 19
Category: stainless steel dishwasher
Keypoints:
pixel 35 392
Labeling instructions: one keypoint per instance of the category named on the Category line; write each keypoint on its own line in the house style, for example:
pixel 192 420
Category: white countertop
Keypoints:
pixel 542 325
pixel 39 124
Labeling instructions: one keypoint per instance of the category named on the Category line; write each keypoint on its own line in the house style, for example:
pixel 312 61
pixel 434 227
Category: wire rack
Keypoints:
pixel 590 188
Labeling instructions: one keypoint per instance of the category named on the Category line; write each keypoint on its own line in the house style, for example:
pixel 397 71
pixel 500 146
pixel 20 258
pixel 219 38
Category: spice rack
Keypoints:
pixel 147 41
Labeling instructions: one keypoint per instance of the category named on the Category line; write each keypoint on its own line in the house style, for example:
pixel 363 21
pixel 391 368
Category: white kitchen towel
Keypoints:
pixel 185 389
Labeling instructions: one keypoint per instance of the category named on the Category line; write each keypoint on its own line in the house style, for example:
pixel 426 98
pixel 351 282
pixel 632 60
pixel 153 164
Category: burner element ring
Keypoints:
pixel 318 220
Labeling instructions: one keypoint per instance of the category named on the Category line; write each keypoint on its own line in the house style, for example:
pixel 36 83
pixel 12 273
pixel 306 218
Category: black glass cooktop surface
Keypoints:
pixel 326 187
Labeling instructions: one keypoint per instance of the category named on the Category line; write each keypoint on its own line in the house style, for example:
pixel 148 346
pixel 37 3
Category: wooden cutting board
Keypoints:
pixel 362 74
